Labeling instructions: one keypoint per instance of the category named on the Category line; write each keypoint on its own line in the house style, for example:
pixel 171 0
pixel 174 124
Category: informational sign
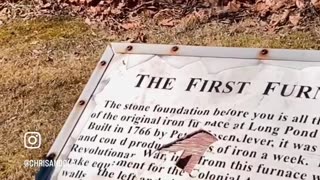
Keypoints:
pixel 164 112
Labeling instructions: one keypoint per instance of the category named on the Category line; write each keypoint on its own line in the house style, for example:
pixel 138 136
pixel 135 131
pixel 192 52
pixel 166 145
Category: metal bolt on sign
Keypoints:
pixel 82 102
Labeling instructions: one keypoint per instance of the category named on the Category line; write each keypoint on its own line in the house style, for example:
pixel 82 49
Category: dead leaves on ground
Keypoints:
pixel 129 14
pixel 170 13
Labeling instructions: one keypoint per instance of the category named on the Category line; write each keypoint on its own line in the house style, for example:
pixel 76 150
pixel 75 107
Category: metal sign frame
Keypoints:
pixel 63 139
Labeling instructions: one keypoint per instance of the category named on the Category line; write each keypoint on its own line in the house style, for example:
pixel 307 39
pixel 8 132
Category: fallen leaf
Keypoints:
pixel 295 19
pixel 121 5
pixel 64 4
pixel 275 19
pixel 46 6
pixel 278 5
pixel 167 22
pixel 278 20
pixel 233 6
pixel 149 12
pixel 96 10
pixel 285 16
pixel 107 11
pixel 82 1
pixel 260 6
pixel 72 1
pixel 270 3
pixel 116 11
pixel 130 25
pixel 316 3
pixel 109 1
pixel 300 4
pixel 203 15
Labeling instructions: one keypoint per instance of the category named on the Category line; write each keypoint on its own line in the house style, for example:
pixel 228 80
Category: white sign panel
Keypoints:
pixel 180 112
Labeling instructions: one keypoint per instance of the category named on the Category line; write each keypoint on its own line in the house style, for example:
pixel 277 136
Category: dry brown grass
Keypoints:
pixel 44 66
pixel 45 63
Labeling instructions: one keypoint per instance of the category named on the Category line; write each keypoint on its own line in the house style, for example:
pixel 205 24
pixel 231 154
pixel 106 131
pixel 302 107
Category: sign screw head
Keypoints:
pixel 175 48
pixel 264 52
pixel 102 63
pixel 129 48
pixel 81 102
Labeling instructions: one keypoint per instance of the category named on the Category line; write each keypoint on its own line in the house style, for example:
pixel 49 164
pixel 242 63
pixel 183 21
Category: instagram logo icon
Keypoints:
pixel 32 140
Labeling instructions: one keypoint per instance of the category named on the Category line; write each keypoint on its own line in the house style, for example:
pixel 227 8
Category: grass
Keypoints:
pixel 46 62
pixel 43 67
